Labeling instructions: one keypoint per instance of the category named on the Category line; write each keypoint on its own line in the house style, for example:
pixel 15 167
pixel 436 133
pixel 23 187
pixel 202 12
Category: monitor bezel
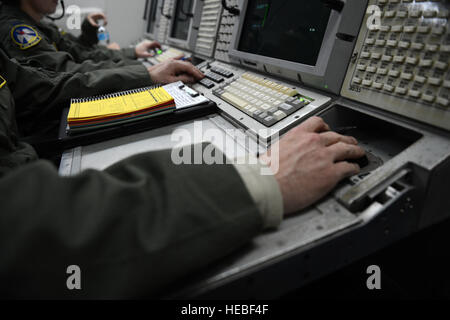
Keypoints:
pixel 322 61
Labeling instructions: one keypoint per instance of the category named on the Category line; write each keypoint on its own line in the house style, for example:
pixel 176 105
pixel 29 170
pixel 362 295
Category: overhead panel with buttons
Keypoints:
pixel 401 64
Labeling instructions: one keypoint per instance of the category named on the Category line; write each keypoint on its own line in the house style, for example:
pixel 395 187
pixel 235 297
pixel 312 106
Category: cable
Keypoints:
pixel 232 10
pixel 62 14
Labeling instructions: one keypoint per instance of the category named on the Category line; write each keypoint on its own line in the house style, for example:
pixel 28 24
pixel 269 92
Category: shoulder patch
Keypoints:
pixel 2 82
pixel 25 36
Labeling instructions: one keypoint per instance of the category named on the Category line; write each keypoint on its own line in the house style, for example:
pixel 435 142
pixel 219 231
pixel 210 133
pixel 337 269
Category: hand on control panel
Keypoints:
pixel 143 49
pixel 312 160
pixel 175 70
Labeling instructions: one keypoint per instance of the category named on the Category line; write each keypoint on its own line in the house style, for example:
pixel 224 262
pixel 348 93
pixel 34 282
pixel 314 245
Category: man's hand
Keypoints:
pixel 113 46
pixel 312 162
pixel 143 48
pixel 175 70
pixel 94 18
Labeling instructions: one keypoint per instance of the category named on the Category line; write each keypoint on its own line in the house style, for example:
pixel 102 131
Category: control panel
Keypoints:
pixel 209 24
pixel 401 60
pixel 225 34
pixel 266 106
pixel 166 9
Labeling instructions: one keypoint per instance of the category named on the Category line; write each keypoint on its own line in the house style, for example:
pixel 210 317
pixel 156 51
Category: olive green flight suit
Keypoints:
pixel 42 94
pixel 134 229
pixel 53 50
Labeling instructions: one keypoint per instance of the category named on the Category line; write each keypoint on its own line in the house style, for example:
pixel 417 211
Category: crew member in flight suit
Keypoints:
pixel 26 37
pixel 145 223
pixel 42 94
pixel 66 67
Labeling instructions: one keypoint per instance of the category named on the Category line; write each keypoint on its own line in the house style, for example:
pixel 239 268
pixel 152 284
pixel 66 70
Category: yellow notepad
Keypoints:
pixel 118 103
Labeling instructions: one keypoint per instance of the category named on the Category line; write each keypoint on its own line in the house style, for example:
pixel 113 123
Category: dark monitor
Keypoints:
pixel 181 20
pixel 290 30
pixel 152 16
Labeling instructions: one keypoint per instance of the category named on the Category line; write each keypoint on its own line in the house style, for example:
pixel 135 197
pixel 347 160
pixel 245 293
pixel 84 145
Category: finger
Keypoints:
pixel 92 22
pixel 344 151
pixel 179 57
pixel 145 54
pixel 188 68
pixel 156 44
pixel 345 169
pixel 329 138
pixel 185 78
pixel 314 124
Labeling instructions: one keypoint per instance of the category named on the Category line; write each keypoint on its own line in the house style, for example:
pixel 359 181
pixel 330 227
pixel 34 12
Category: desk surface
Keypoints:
pixel 274 262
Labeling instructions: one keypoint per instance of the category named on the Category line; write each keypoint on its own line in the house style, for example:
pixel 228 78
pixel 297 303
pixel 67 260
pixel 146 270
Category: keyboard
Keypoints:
pixel 164 55
pixel 265 101
pixel 402 64
pixel 263 106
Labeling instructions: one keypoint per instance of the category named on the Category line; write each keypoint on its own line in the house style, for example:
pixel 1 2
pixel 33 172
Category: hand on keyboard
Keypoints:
pixel 312 162
pixel 173 71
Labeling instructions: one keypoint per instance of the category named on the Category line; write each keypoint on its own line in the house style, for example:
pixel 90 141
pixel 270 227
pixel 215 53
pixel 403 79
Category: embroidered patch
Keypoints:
pixel 25 36
pixel 2 82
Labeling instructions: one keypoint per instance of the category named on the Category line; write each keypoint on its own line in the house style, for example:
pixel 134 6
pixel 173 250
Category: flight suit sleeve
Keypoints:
pixel 85 47
pixel 43 54
pixel 42 93
pixel 133 230
pixel 89 38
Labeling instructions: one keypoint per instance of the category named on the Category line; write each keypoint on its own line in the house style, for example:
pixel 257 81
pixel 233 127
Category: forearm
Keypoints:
pixel 133 230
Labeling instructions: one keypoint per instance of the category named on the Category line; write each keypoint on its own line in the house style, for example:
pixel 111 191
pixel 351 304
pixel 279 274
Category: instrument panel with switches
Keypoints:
pixel 401 65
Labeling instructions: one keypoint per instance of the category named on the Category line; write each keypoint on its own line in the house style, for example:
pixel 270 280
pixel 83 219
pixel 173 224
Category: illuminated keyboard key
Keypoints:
pixel 386 58
pixel 367 82
pixel 371 69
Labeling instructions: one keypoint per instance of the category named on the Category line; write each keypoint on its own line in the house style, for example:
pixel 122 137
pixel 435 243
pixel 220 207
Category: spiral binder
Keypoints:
pixel 115 108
